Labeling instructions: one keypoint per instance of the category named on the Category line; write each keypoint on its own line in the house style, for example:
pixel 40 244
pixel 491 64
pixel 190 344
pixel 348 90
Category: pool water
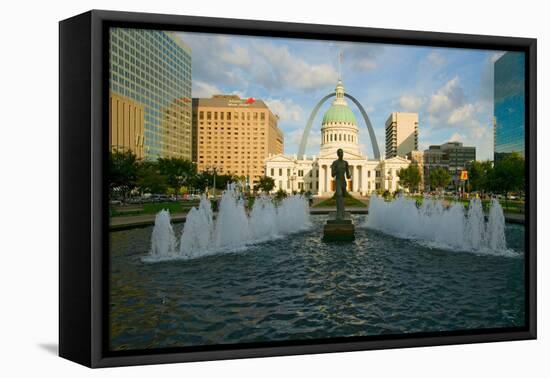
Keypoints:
pixel 299 288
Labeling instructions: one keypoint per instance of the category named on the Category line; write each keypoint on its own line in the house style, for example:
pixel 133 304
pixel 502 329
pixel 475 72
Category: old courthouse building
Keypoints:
pixel 339 129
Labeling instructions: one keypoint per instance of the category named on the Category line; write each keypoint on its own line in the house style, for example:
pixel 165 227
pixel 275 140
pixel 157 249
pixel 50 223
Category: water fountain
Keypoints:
pixel 447 227
pixel 232 229
pixel 163 241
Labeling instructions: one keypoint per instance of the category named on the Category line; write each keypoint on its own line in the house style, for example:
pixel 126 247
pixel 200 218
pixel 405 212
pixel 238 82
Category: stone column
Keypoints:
pixel 327 177
pixel 321 178
pixel 360 179
pixel 355 175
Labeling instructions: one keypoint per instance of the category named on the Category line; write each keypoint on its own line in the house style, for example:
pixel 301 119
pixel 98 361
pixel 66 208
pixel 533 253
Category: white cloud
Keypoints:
pixel 366 64
pixel 360 56
pixel 448 97
pixel 410 103
pixel 294 138
pixel 202 89
pixel 456 137
pixel 436 59
pixel 236 55
pixel 461 114
pixel 448 108
pixel 286 109
pixel 278 68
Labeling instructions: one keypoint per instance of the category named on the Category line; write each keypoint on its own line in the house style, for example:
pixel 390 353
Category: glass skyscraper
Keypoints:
pixel 509 104
pixel 153 68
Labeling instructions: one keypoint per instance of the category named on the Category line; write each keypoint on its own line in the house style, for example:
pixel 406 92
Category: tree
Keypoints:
pixel 479 173
pixel 149 179
pixel 409 177
pixel 265 184
pixel 179 172
pixel 281 194
pixel 439 178
pixel 123 168
pixel 200 181
pixel 223 180
pixel 508 174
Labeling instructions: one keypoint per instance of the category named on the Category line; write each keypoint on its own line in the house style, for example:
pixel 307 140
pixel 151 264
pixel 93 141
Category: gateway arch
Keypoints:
pixel 305 135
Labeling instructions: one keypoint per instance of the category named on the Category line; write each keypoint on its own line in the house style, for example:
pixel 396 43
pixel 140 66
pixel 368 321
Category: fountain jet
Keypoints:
pixel 231 230
pixel 439 226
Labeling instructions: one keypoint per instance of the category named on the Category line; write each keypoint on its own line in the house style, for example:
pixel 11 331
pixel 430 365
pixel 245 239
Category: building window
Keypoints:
pixel 368 174
pixel 288 171
pixel 288 184
pixel 280 171
pixel 377 173
pixel 272 172
pixel 201 115
pixel 208 115
pixel 300 173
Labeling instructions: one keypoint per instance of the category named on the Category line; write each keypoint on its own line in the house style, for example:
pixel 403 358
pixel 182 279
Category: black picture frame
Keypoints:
pixel 83 225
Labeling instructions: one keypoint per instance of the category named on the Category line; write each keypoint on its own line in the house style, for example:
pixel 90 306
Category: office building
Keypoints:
pixel 401 134
pixel 509 104
pixel 235 135
pixel 451 156
pixel 126 119
pixel 153 68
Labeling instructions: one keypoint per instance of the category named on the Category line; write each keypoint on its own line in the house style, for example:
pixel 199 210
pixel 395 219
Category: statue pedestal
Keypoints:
pixel 339 229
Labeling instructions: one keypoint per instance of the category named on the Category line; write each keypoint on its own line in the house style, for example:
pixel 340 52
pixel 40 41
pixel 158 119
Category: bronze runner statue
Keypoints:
pixel 340 171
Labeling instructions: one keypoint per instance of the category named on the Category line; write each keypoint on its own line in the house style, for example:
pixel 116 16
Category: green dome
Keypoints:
pixel 339 113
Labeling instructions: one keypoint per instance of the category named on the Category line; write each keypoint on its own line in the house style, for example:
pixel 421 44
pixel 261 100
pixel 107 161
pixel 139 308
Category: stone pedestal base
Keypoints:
pixel 339 229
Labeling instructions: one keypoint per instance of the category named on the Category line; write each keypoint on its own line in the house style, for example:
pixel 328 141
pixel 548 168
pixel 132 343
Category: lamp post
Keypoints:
pixel 215 170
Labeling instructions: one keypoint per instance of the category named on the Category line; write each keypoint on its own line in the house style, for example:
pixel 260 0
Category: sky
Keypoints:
pixel 451 89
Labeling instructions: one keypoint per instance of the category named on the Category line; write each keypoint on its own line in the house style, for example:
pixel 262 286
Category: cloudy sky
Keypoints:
pixel 451 89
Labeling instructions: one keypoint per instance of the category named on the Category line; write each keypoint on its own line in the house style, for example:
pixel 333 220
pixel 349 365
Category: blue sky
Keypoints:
pixel 451 89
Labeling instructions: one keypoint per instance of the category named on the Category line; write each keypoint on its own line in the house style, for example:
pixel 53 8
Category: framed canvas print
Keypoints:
pixel 235 188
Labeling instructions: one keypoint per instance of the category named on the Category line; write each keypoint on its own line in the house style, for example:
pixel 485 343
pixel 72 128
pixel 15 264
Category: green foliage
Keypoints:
pixel 479 173
pixel 439 178
pixel 149 179
pixel 178 172
pixel 508 175
pixel 409 177
pixel 200 181
pixel 123 173
pixel 280 195
pixel 265 184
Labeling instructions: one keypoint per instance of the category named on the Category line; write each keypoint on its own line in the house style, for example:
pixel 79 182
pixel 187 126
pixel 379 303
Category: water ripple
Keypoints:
pixel 301 288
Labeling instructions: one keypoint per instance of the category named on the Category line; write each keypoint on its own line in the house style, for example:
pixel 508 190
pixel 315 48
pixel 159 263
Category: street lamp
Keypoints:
pixel 215 169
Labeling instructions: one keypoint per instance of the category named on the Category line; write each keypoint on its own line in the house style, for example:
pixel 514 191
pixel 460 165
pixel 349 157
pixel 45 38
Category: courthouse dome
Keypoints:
pixel 339 112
